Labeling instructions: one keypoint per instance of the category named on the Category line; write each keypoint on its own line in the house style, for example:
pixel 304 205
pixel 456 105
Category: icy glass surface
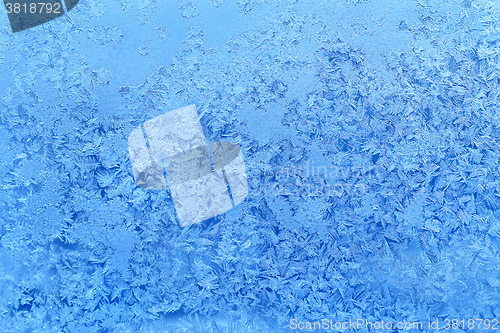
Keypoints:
pixel 369 134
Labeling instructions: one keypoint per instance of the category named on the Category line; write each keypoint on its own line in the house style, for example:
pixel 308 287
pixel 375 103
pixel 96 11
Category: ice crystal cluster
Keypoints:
pixel 370 131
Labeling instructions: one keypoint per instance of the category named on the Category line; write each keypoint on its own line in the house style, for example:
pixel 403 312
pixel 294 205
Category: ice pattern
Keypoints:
pixel 370 135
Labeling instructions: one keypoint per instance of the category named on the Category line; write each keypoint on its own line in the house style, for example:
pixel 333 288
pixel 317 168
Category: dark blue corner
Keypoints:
pixel 26 14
